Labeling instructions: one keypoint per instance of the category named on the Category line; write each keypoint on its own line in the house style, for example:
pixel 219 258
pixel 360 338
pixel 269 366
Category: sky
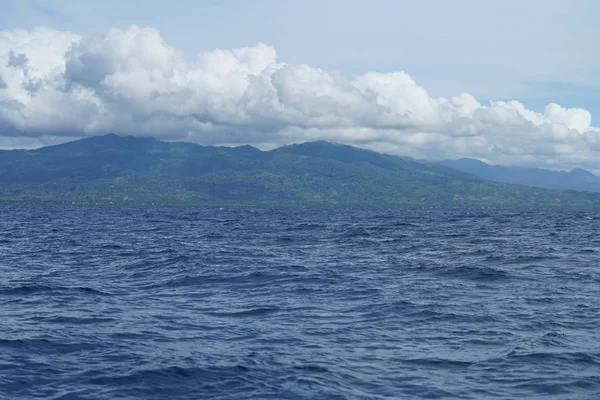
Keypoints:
pixel 511 82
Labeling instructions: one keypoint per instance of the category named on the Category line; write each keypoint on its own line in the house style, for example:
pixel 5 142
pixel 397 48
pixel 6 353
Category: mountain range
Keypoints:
pixel 114 168
pixel 577 179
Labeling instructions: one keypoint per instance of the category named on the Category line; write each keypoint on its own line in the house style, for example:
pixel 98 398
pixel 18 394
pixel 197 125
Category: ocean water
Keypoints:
pixel 148 302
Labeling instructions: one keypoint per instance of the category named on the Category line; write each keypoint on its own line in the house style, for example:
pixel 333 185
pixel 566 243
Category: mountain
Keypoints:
pixel 113 168
pixel 577 179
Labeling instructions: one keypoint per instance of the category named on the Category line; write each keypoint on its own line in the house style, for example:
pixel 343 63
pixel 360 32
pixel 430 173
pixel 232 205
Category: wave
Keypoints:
pixel 253 312
pixel 477 273
pixel 35 289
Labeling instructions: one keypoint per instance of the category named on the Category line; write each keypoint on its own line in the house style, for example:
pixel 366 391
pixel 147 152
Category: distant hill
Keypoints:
pixel 113 168
pixel 577 179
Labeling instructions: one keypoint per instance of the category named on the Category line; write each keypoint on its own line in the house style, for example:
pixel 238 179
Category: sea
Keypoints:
pixel 178 302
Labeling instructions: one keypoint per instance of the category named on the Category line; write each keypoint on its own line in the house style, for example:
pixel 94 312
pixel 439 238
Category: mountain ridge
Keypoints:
pixel 577 179
pixel 113 168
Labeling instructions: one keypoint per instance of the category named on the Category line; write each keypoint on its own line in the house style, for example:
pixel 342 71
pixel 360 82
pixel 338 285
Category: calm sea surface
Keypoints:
pixel 148 302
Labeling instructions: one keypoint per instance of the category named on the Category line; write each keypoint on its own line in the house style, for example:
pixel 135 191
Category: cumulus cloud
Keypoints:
pixel 57 84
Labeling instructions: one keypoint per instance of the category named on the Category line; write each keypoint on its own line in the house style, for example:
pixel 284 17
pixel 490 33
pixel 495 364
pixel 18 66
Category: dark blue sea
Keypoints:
pixel 149 302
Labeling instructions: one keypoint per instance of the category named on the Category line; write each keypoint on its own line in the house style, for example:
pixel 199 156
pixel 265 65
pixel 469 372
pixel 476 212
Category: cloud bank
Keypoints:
pixel 55 86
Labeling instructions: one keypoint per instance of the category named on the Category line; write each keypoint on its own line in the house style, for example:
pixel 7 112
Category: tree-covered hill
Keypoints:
pixel 112 168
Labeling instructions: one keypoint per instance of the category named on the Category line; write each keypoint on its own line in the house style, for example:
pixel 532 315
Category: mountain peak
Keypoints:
pixel 126 168
pixel 580 172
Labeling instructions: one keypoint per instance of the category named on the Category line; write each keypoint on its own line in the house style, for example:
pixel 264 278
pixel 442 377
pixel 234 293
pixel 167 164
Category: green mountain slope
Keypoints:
pixel 124 169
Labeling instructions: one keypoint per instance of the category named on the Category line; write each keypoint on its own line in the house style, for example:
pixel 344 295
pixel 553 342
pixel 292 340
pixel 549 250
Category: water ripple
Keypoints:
pixel 148 302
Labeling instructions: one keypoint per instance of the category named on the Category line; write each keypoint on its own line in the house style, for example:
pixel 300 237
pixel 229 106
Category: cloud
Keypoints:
pixel 57 84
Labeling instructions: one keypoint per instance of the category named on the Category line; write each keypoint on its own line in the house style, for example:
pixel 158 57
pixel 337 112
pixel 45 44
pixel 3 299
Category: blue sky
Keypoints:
pixel 532 52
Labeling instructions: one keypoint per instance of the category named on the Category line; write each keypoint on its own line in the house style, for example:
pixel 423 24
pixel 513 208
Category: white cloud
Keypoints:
pixel 57 84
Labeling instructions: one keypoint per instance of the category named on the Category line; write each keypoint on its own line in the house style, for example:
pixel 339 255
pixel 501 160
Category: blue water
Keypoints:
pixel 145 302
